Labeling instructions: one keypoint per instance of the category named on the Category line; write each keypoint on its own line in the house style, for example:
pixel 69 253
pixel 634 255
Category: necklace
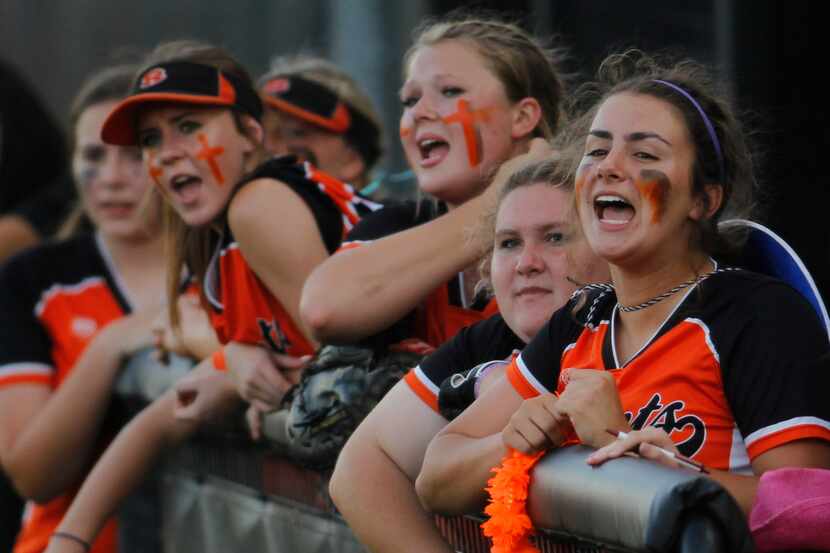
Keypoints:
pixel 673 291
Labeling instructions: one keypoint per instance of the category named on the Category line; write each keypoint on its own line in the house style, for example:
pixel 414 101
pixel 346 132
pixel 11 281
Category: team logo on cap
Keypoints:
pixel 277 86
pixel 153 77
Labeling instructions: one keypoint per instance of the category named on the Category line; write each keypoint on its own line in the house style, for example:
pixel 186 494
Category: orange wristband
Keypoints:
pixel 219 360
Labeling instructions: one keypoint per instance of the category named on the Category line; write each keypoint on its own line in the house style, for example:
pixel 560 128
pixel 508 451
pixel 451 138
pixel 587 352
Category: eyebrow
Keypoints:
pixel 632 137
pixel 179 117
pixel 547 226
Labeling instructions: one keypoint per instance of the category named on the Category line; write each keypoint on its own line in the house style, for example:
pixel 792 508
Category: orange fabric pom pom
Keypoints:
pixel 509 527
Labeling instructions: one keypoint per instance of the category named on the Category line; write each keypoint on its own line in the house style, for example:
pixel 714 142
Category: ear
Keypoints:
pixel 352 167
pixel 254 132
pixel 526 116
pixel 705 209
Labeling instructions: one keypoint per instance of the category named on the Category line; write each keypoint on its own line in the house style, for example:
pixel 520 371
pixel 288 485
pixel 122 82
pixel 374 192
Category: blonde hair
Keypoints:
pixel 521 63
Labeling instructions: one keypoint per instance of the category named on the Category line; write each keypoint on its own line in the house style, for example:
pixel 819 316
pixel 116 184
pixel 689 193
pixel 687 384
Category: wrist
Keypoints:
pixel 219 362
pixel 83 544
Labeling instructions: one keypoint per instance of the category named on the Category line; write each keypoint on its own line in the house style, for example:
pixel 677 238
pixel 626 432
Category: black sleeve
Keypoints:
pixel 539 362
pixel 458 364
pixel 475 344
pixel 774 356
pixel 326 214
pixel 391 219
pixel 23 340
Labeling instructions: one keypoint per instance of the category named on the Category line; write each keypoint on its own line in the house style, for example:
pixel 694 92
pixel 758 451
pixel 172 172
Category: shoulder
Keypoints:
pixel 55 260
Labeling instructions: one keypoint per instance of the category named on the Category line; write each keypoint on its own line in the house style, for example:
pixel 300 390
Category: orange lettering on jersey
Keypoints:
pixel 654 186
pixel 209 154
pixel 468 118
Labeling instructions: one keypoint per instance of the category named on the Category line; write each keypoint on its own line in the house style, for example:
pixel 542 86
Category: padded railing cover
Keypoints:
pixel 635 504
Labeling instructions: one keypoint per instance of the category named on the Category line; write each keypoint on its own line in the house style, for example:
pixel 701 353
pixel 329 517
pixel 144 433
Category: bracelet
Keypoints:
pixel 219 360
pixel 72 537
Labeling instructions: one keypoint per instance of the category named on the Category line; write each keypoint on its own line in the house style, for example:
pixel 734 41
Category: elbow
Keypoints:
pixel 340 486
pixel 30 486
pixel 317 315
pixel 433 497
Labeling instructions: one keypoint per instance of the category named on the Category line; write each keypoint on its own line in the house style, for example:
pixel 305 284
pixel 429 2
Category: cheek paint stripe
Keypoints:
pixel 654 186
pixel 467 118
pixel 154 170
pixel 405 131
pixel 209 155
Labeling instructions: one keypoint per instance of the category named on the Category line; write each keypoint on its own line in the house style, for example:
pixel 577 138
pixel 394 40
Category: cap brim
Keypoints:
pixel 119 127
pixel 339 123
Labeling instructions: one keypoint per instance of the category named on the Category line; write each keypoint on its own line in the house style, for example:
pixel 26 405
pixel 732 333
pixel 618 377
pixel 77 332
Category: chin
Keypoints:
pixel 455 188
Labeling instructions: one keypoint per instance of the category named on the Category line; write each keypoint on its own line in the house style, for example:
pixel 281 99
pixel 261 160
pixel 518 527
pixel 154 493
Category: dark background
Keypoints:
pixel 761 48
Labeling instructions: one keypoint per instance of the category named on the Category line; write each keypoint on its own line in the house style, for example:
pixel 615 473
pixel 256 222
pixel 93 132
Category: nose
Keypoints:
pixel 530 261
pixel 169 152
pixel 424 109
pixel 110 172
pixel 610 168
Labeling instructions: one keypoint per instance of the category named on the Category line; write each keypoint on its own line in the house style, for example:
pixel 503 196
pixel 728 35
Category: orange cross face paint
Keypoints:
pixel 405 131
pixel 654 186
pixel 154 170
pixel 209 154
pixel 468 119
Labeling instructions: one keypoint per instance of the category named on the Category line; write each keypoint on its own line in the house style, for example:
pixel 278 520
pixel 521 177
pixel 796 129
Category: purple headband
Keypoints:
pixel 709 127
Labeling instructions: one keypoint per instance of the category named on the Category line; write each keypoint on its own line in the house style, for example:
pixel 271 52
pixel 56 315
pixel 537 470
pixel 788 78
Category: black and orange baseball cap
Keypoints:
pixel 322 107
pixel 178 82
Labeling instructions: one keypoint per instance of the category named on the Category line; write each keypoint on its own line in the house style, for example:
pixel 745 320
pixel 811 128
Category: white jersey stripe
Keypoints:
pixel 528 376
pixel 709 342
pixel 16 369
pixel 55 289
pixel 785 425
pixel 424 379
pixel 738 456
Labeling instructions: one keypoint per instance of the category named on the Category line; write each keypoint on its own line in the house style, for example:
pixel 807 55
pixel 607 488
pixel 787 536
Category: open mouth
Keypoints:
pixel 613 209
pixel 433 149
pixel 186 187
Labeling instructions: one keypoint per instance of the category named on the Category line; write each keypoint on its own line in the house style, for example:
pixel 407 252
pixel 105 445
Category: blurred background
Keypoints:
pixel 760 48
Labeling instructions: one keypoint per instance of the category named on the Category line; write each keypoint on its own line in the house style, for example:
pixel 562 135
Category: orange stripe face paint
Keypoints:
pixel 209 155
pixel 405 131
pixel 468 118
pixel 154 170
pixel 654 186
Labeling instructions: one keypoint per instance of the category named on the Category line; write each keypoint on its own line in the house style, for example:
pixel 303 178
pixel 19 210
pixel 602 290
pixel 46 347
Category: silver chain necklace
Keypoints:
pixel 673 291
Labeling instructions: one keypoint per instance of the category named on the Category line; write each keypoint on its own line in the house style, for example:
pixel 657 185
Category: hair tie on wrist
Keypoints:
pixel 72 537
pixel 219 360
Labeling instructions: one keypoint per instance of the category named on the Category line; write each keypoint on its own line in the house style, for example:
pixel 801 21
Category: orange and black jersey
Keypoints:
pixel 53 301
pixel 730 374
pixel 443 313
pixel 242 309
pixel 466 355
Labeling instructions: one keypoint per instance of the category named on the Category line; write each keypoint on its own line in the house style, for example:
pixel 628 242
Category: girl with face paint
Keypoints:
pixel 681 350
pixel 476 93
pixel 248 229
pixel 71 311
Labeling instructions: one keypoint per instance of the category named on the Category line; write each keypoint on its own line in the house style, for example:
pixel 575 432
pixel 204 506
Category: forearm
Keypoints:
pixel 362 291
pixel 123 466
pixel 741 487
pixel 455 472
pixel 54 449
pixel 378 501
